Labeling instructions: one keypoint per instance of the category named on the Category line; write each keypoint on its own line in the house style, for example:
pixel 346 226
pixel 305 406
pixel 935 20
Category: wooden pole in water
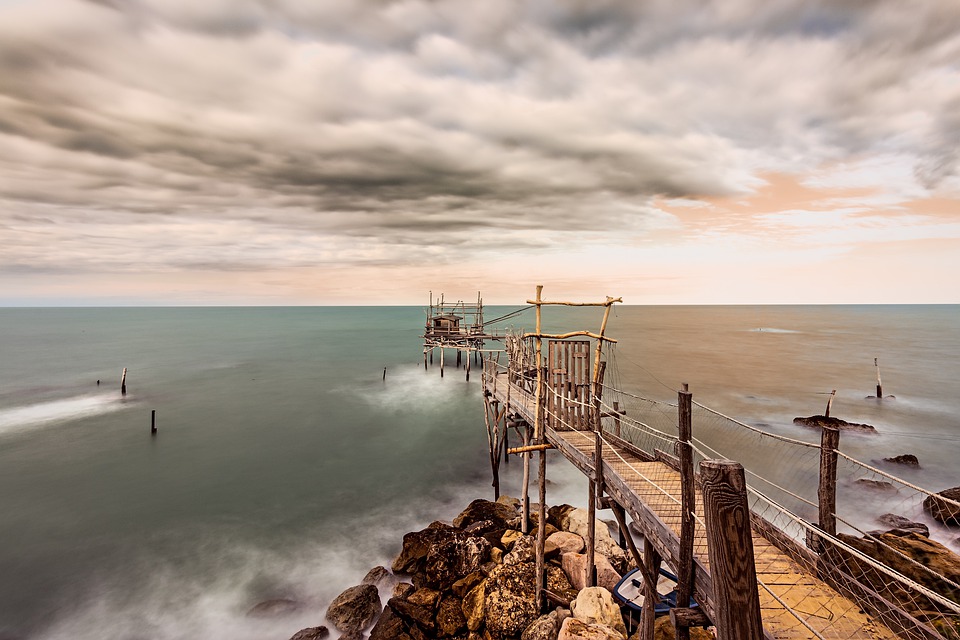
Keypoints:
pixel 424 359
pixel 123 382
pixel 879 385
pixel 826 413
pixel 688 503
pixel 153 422
pixel 441 361
pixel 730 548
pixel 459 358
pixel 827 488
pixel 468 366
pixel 384 374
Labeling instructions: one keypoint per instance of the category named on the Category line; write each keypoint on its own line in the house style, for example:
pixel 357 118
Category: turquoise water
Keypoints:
pixel 285 466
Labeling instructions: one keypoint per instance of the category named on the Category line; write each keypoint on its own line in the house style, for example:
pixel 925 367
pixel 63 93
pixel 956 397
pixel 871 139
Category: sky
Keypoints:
pixel 286 152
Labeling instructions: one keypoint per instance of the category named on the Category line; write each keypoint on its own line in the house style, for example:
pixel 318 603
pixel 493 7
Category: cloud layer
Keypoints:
pixel 184 135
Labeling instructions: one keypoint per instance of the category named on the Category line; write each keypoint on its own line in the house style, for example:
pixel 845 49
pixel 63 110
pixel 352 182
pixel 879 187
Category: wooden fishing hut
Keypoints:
pixel 459 326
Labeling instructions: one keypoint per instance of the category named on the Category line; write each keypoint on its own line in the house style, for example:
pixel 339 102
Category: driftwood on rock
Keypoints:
pixel 819 422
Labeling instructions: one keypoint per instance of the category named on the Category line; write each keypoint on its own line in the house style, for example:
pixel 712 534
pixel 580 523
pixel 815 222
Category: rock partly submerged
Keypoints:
pixel 819 422
pixel 945 511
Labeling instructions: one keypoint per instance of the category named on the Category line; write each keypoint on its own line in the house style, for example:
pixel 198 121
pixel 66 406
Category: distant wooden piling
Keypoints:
pixel 879 384
pixel 441 361
pixel 153 422
pixel 123 382
pixel 468 366
pixel 730 548
pixel 826 412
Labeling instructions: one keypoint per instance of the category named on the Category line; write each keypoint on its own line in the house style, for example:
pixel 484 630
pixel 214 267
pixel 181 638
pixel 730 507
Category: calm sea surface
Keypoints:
pixel 286 467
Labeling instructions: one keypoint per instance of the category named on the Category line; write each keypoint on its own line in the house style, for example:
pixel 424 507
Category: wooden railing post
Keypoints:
pixel 827 489
pixel 730 547
pixel 688 501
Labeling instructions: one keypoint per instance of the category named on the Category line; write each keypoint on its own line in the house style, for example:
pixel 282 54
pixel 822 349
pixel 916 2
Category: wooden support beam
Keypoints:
pixel 683 618
pixel 541 531
pixel 730 548
pixel 532 447
pixel 649 579
pixel 651 560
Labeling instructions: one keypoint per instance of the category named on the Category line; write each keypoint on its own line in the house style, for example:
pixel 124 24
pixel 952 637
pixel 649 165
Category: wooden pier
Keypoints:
pixel 750 577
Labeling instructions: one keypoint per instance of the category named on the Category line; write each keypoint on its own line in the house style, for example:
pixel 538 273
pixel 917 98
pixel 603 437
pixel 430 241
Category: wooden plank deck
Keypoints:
pixel 650 491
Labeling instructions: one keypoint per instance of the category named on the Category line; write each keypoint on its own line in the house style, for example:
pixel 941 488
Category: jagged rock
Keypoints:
pixel 450 558
pixel 594 605
pixel 376 576
pixel 894 521
pixel 389 626
pixel 275 608
pixel 510 536
pixel 510 501
pixel 818 422
pixel 424 597
pixel 577 521
pixel 416 545
pixel 567 542
pixel 557 516
pixel 311 633
pixel 907 459
pixel 463 586
pixel 523 551
pixel 351 635
pixel 575 567
pixel 355 608
pixel 877 485
pixel 573 629
pixel 403 589
pixel 413 613
pixel 943 511
pixel 482 527
pixel 485 510
pixel 558 583
pixel 545 627
pixel 473 606
pixel 509 604
pixel 450 620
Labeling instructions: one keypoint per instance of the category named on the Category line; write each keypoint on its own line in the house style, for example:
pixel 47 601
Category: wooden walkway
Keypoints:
pixel 649 490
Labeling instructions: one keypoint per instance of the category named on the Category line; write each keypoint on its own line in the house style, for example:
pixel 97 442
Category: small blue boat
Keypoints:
pixel 629 593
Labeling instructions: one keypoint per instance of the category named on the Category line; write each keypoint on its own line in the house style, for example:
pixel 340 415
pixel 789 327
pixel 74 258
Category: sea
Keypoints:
pixel 296 445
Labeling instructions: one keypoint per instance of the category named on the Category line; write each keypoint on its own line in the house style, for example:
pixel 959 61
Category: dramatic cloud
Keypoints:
pixel 176 135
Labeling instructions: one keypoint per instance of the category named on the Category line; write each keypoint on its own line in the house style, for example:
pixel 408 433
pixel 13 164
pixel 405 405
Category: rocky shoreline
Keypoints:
pixel 473 579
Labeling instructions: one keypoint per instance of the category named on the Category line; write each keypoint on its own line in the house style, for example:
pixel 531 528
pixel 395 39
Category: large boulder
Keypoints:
pixel 376 576
pixel 451 557
pixel 414 613
pixel 575 567
pixel 416 545
pixel 594 605
pixel 567 542
pixel 907 459
pixel 546 627
pixel 894 521
pixel 510 604
pixel 389 626
pixel 311 633
pixel 577 522
pixel 557 516
pixel 485 510
pixel 943 511
pixel 573 629
pixel 450 619
pixel 472 606
pixel 355 608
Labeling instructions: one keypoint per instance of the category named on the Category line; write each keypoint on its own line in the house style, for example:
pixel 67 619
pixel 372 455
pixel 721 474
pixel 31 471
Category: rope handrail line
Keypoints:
pixel 760 431
pixel 890 476
pixel 893 573
pixel 755 475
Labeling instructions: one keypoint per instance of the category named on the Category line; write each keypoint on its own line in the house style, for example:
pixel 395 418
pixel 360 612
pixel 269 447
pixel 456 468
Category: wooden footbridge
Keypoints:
pixel 755 568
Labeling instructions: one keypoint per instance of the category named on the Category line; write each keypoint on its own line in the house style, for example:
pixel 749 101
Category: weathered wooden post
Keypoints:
pixel 459 358
pixel 684 451
pixel 616 418
pixel 123 382
pixel 826 412
pixel 827 488
pixel 730 548
pixel 879 385
pixel 651 560
pixel 525 492
pixel 384 374
pixel 468 366
pixel 153 422
pixel 441 361
pixel 424 359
